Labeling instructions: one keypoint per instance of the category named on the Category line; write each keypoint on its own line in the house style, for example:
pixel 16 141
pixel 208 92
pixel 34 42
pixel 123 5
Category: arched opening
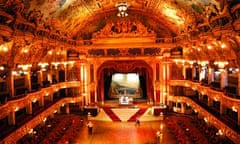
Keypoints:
pixel 125 78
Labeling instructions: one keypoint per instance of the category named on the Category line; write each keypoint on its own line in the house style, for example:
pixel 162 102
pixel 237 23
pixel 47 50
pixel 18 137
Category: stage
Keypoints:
pixel 114 103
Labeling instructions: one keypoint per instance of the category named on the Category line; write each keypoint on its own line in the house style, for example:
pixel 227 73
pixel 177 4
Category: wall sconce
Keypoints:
pixel 203 63
pixel 3 48
pixel 1 68
pixel 220 132
pixel 55 64
pixel 234 109
pixel 19 73
pixel 25 67
pixel 205 119
pixel 45 119
pixel 221 64
pixel 43 65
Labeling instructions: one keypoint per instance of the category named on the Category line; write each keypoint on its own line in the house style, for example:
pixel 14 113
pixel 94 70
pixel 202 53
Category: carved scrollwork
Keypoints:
pixel 124 29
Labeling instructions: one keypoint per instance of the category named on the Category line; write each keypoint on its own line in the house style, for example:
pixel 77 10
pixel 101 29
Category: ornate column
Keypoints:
pixel 222 108
pixel 238 90
pixel 11 118
pixel 223 80
pixel 183 107
pixel 95 79
pixel 210 102
pixel 10 83
pixel 157 92
pixel 50 95
pixel 101 88
pixel 49 75
pixel 41 101
pixel 184 72
pixel 59 109
pixel 210 75
pixel 92 93
pixel 40 77
pixel 65 71
pixel 40 72
pixel 28 80
pixel 66 77
pixel 149 94
pixel 87 83
pixel 67 108
pixel 164 81
pixel 56 73
pixel 238 118
pixel 157 85
pixel 200 96
pixel 83 79
pixel 201 73
pixel 29 108
pixel 194 73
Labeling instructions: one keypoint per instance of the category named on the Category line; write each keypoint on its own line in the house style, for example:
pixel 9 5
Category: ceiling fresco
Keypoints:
pixel 80 21
pixel 73 16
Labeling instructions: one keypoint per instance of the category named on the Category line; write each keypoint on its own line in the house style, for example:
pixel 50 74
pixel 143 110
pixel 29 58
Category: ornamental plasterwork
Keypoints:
pixel 124 28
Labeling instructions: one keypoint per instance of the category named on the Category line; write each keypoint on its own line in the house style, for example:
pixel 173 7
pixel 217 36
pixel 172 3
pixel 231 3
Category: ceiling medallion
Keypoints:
pixel 122 9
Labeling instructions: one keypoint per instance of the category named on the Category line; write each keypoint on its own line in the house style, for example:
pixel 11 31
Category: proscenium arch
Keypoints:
pixel 125 66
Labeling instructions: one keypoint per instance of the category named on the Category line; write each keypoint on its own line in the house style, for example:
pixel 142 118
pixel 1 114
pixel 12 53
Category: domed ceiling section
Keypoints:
pixel 74 16
pixel 190 22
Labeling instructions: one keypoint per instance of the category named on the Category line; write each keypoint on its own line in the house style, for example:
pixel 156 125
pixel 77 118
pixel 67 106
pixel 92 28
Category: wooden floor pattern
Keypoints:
pixel 124 133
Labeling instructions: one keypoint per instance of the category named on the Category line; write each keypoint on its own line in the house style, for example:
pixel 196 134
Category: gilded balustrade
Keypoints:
pixel 212 94
pixel 234 136
pixel 22 102
pixel 23 130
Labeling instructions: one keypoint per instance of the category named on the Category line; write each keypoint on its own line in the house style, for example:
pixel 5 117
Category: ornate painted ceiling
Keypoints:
pixel 34 29
pixel 76 17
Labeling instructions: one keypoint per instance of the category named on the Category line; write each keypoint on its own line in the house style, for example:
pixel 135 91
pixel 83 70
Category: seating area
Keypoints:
pixel 22 117
pixel 182 128
pixel 210 132
pixel 60 129
pixel 216 112
pixel 194 130
pixel 184 131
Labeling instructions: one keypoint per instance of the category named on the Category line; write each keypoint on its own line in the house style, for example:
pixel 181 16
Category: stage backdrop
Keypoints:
pixel 125 85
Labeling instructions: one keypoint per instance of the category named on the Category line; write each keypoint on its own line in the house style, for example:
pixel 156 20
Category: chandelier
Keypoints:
pixel 122 9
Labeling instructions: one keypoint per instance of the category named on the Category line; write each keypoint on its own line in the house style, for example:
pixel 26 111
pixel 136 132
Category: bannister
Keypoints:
pixel 233 135
pixel 23 130
pixel 21 102
pixel 213 94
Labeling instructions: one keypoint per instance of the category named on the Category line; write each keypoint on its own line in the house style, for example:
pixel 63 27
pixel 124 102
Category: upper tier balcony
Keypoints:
pixel 213 94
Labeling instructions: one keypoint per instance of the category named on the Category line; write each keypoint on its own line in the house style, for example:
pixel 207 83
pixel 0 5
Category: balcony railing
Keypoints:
pixel 233 135
pixel 213 94
pixel 21 102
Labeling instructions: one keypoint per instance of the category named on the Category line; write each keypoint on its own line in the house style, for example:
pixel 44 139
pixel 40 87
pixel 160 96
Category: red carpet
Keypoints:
pixel 140 112
pixel 111 114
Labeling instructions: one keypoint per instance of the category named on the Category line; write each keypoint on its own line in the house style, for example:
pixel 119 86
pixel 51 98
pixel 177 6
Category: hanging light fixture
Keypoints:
pixel 122 9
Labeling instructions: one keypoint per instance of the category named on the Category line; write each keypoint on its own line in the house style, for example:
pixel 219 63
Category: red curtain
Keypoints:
pixel 92 96
pixel 157 92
